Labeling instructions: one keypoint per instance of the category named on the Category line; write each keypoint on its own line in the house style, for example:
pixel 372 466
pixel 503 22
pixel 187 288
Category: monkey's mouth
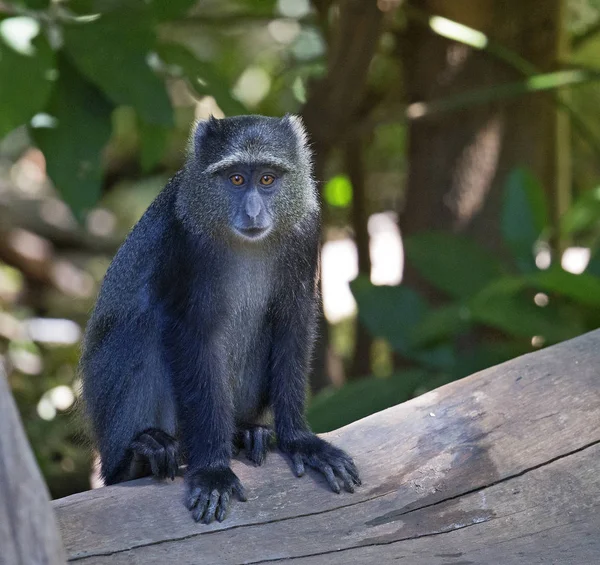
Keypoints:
pixel 253 232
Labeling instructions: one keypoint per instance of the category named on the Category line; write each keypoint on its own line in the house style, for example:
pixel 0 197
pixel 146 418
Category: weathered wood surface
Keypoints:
pixel 28 530
pixel 502 467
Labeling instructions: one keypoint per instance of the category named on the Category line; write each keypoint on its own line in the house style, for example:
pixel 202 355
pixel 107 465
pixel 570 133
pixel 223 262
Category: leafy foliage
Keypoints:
pixel 492 311
pixel 110 54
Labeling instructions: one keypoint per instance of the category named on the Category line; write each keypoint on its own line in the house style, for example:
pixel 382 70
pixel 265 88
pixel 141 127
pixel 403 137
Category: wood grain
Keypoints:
pixel 28 530
pixel 500 467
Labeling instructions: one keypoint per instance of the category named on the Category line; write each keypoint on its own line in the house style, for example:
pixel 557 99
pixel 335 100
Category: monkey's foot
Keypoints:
pixel 158 449
pixel 315 452
pixel 209 493
pixel 255 440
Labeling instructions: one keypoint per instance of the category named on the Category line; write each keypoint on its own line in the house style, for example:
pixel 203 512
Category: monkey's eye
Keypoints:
pixel 237 180
pixel 266 180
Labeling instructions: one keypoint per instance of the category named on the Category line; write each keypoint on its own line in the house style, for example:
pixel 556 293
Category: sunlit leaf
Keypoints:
pixel 452 263
pixel 26 80
pixel 73 148
pixel 115 58
pixel 524 217
pixel 338 191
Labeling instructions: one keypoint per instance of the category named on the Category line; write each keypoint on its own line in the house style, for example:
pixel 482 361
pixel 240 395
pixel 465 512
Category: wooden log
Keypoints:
pixel 28 529
pixel 500 467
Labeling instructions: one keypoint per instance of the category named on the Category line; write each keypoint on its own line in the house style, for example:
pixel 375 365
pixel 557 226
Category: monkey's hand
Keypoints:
pixel 255 440
pixel 315 452
pixel 209 493
pixel 159 450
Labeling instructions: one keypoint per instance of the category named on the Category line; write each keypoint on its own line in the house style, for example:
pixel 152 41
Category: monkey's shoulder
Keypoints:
pixel 129 277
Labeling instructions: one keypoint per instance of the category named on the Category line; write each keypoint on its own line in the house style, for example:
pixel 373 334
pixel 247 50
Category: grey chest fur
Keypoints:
pixel 249 288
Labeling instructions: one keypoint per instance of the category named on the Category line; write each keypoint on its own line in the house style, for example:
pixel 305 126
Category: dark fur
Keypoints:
pixel 197 331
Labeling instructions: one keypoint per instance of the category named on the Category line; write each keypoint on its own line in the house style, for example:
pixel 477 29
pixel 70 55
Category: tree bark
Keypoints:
pixel 354 165
pixel 500 467
pixel 331 106
pixel 28 529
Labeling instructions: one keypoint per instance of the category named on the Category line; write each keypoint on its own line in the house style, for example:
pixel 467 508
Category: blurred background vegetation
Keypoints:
pixel 457 146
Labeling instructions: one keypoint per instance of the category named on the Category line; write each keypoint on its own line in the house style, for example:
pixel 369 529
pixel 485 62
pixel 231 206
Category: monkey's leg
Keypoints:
pixel 256 440
pixel 158 450
pixel 130 403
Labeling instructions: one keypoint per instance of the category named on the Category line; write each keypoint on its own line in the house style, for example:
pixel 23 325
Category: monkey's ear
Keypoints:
pixel 199 131
pixel 295 122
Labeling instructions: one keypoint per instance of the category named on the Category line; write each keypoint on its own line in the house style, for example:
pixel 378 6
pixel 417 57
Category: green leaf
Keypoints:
pixel 593 267
pixel 583 288
pixel 443 323
pixel 452 263
pixel 37 4
pixel 489 354
pixel 524 217
pixel 114 56
pixel 171 9
pixel 202 77
pixel 582 219
pixel 332 409
pixel 26 78
pixel 73 148
pixel 388 311
pixel 391 312
pixel 153 142
pixel 160 10
pixel 504 306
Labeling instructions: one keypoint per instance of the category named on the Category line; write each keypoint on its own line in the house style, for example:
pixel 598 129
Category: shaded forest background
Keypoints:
pixel 457 145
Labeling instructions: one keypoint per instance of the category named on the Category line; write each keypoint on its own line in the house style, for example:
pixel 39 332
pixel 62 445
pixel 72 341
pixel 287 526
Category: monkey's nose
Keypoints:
pixel 253 205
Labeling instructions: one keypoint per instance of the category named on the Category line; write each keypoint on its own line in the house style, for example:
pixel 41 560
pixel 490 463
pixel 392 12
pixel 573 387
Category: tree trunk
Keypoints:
pixel 331 106
pixel 354 165
pixel 28 530
pixel 458 162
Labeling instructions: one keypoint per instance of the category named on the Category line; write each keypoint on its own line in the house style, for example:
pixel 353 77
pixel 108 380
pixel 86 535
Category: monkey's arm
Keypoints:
pixel 293 335
pixel 205 414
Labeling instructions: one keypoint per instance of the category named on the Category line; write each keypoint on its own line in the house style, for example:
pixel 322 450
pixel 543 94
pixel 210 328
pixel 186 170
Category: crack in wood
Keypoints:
pixel 390 517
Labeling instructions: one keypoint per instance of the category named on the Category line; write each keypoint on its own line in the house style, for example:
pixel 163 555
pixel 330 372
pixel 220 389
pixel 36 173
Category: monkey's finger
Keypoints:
pixel 258 449
pixel 195 496
pixel 154 465
pixel 239 490
pixel 298 464
pixel 173 468
pixel 223 506
pixel 330 476
pixel 213 501
pixel 353 472
pixel 341 472
pixel 247 441
pixel 199 511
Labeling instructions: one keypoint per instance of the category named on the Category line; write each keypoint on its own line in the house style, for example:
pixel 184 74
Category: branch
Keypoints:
pixel 482 469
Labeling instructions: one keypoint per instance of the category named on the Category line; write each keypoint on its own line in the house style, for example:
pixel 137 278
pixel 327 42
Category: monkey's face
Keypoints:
pixel 252 194
pixel 248 177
